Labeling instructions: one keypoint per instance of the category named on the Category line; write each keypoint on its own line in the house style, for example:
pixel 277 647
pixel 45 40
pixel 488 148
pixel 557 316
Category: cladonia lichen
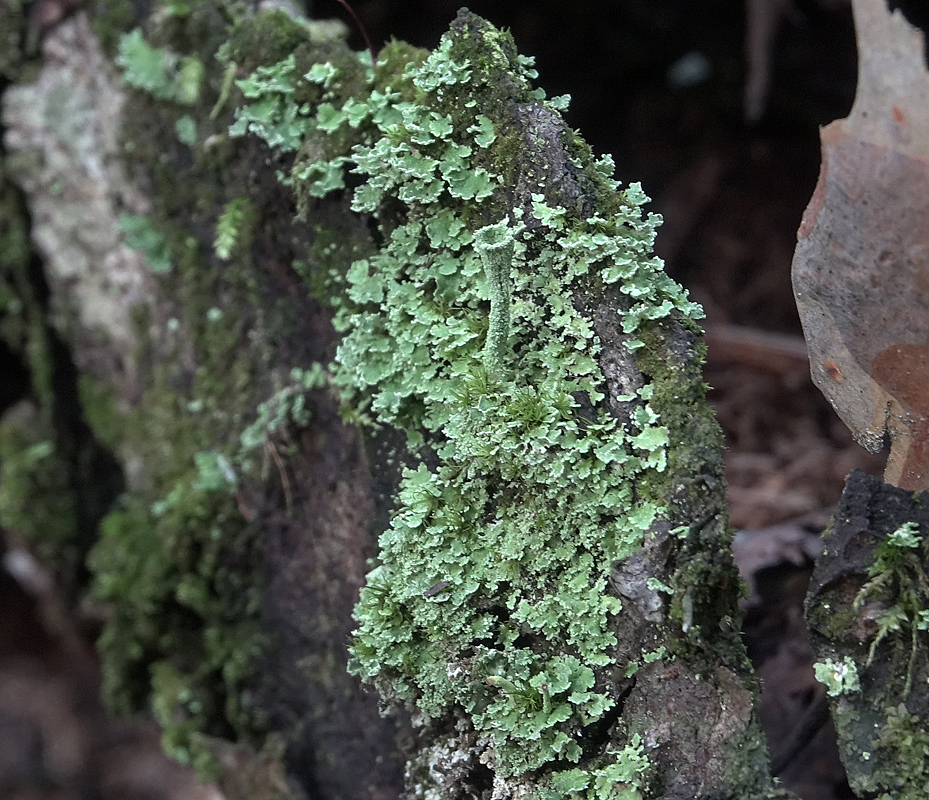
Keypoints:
pixel 490 596
pixel 494 244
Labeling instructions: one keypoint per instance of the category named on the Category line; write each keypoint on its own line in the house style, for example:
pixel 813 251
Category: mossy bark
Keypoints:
pixel 866 607
pixel 228 570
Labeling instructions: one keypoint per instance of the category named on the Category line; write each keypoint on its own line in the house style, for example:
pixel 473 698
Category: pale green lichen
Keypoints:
pixel 286 408
pixel 276 118
pixel 491 595
pixel 161 73
pixel 838 677
pixel 495 245
pixel 491 600
pixel 618 780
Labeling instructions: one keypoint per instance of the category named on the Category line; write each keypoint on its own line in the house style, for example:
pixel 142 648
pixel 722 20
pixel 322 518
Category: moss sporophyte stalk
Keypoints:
pixel 490 596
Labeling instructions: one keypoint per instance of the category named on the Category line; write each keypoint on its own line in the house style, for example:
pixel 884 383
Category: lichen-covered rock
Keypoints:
pixel 62 133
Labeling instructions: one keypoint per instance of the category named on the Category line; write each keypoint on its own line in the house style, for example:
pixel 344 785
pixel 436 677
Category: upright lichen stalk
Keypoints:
pixel 495 245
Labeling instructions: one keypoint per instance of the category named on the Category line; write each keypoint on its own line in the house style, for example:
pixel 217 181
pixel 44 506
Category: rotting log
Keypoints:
pixel 511 395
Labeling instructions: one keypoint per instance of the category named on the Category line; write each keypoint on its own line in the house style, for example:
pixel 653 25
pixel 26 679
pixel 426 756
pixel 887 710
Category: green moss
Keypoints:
pixel 235 228
pixel 903 746
pixel 888 751
pixel 268 38
pixel 12 27
pixel 37 496
pixel 100 408
pixel 37 500
pixel 110 20
pixel 15 254
pixel 184 624
pixel 898 578
pixel 746 763
pixel 142 236
pixel 491 599
pixel 176 563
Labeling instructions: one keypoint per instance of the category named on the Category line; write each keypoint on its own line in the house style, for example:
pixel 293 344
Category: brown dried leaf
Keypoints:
pixel 861 268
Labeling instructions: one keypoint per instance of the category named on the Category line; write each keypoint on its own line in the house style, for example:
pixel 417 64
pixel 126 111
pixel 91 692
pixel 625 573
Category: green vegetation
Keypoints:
pixel 898 571
pixel 471 328
pixel 908 760
pixel 616 781
pixel 175 566
pixel 161 73
pixel 286 408
pixel 37 500
pixel 141 236
pixel 838 677
pixel 233 228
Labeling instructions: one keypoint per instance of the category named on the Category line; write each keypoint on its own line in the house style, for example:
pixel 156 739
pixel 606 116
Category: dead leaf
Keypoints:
pixel 861 268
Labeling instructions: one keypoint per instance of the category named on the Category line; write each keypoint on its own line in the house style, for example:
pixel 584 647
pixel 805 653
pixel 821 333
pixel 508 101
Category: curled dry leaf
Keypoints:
pixel 861 268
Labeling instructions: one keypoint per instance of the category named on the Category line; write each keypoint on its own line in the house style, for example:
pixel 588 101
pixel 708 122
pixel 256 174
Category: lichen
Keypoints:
pixel 491 593
pixel 159 71
pixel 838 677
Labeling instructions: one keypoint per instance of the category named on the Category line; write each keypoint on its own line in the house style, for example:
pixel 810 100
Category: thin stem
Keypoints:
pixel 364 33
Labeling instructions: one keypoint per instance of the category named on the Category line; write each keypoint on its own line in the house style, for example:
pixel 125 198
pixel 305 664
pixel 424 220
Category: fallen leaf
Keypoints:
pixel 861 267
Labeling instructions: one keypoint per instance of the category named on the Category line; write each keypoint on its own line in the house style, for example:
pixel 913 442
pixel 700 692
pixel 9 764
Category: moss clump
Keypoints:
pixel 183 624
pixel 902 743
pixel 39 462
pixel 37 500
pixel 175 563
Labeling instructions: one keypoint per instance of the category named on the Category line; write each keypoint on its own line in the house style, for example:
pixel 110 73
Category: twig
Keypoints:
pixel 364 33
pixel 288 499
